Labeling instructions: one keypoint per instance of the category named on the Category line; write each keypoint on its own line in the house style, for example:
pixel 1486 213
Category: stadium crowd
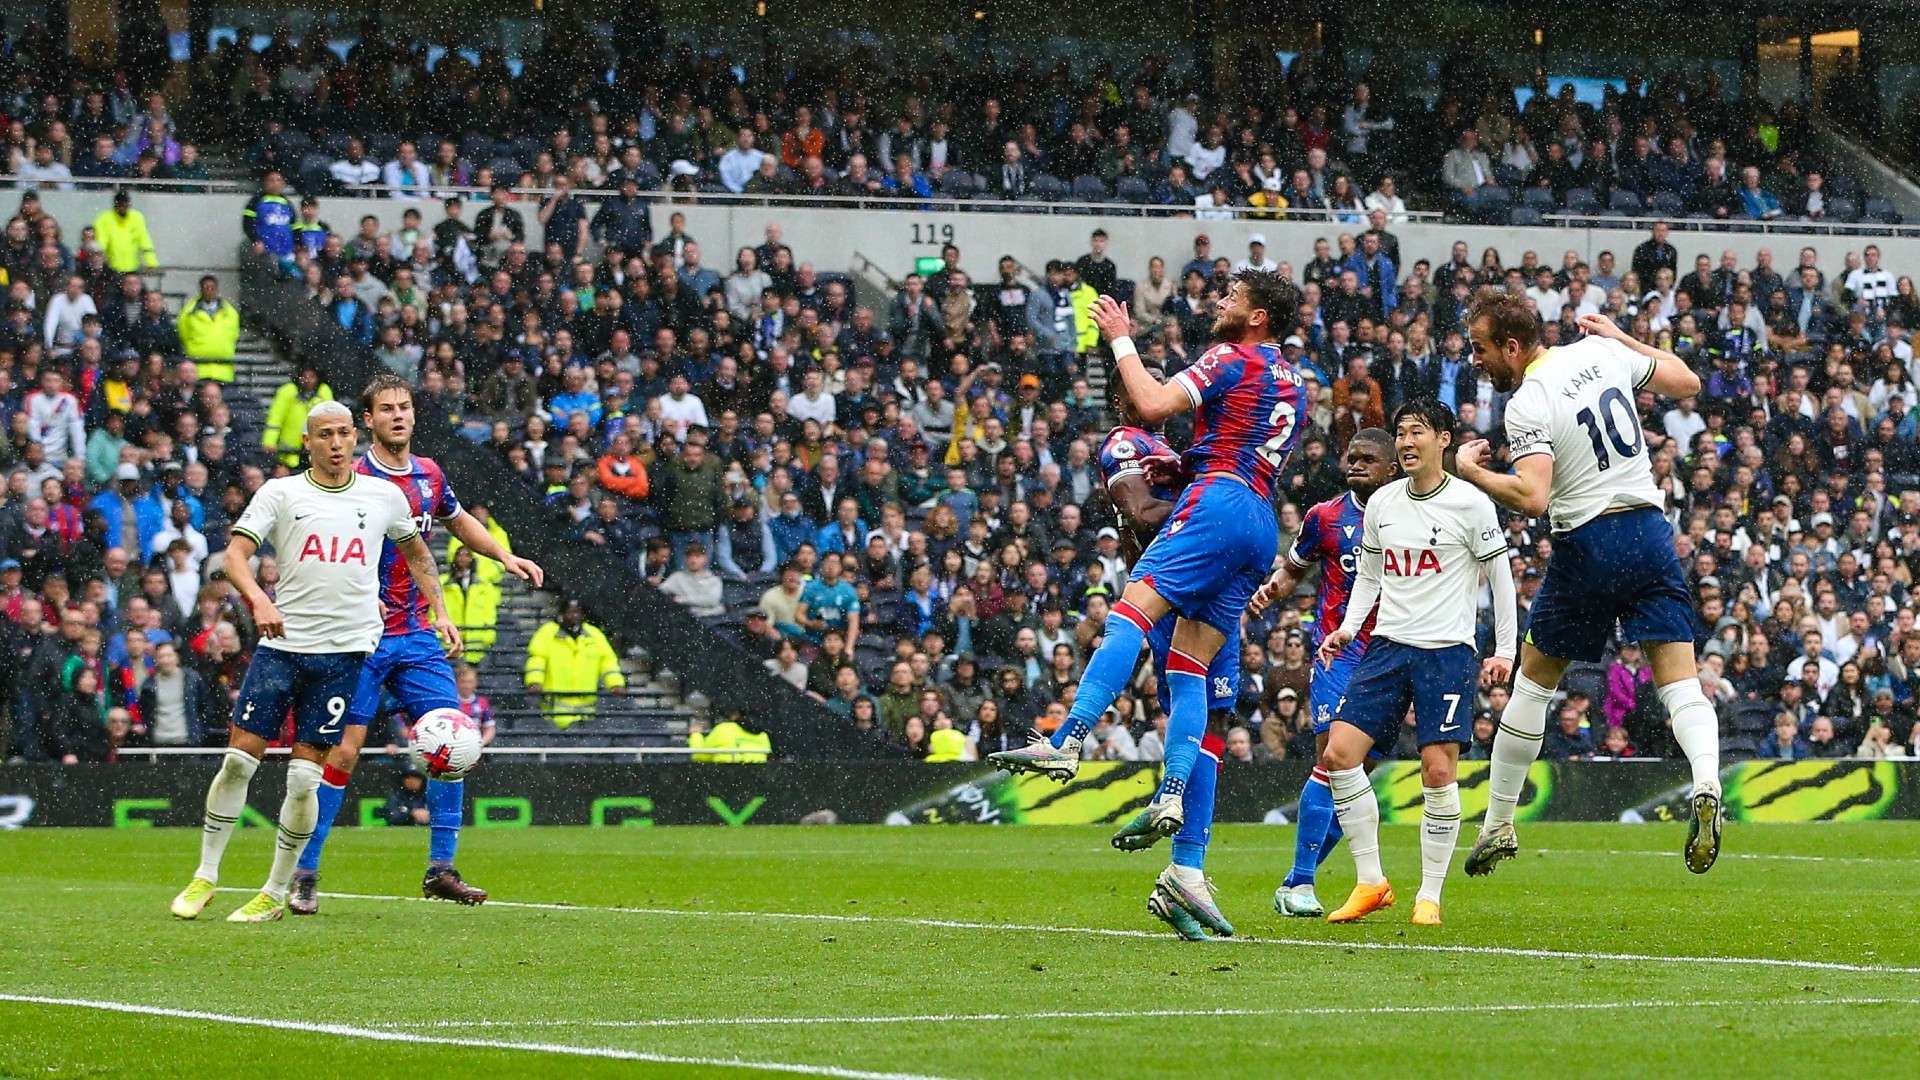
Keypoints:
pixel 897 507
pixel 1292 139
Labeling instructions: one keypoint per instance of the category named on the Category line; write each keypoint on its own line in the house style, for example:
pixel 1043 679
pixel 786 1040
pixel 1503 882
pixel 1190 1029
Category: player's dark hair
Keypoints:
pixel 1429 411
pixel 1269 292
pixel 1378 436
pixel 1508 316
pixel 381 383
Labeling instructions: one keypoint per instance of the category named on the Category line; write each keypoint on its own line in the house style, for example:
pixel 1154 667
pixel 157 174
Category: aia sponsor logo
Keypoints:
pixel 333 549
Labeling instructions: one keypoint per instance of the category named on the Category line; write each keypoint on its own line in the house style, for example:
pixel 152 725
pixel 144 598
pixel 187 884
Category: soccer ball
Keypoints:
pixel 445 744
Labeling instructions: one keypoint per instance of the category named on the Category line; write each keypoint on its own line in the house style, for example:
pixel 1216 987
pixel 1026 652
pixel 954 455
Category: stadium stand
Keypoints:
pixel 934 443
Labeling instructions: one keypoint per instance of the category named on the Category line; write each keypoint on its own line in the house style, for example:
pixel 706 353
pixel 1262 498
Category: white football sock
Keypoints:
pixel 298 813
pixel 1439 831
pixel 226 797
pixel 1696 727
pixel 1515 745
pixel 1191 876
pixel 1359 813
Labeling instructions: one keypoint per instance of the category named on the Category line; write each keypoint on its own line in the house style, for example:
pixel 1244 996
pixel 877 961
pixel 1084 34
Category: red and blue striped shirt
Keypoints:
pixel 1248 404
pixel 403 608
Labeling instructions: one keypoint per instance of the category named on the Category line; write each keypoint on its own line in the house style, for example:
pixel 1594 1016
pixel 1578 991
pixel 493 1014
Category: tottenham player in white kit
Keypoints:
pixel 1579 453
pixel 325 525
pixel 1428 541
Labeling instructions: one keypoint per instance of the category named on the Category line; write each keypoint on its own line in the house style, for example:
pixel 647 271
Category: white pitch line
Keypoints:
pixel 382 1035
pixel 1753 856
pixel 1101 931
pixel 1144 1014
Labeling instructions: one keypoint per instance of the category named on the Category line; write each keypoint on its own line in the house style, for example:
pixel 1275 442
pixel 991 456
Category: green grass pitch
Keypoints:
pixel 926 952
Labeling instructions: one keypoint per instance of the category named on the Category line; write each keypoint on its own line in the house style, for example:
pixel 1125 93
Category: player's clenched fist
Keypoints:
pixel 1495 671
pixel 1472 454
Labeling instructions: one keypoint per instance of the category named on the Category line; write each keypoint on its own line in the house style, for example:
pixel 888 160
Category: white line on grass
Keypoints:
pixel 1101 931
pixel 383 1035
pixel 1755 856
pixel 1143 1014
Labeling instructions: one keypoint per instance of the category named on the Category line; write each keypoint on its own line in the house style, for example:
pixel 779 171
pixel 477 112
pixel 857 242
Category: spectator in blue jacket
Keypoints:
pixel 122 501
pixel 790 528
pixel 1375 271
pixel 846 533
pixel 575 398
pixel 268 219
pixel 350 311
pixel 1755 201
pixel 1785 744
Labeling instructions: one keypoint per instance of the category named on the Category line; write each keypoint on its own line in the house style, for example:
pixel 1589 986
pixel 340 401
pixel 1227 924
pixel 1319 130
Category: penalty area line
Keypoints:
pixel 372 1034
pixel 1149 935
pixel 1147 1014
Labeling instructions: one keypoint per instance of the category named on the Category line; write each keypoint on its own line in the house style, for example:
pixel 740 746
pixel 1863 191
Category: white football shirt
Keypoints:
pixel 1430 550
pixel 1575 405
pixel 327 543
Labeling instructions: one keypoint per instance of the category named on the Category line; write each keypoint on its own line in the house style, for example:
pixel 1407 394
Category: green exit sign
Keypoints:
pixel 927 265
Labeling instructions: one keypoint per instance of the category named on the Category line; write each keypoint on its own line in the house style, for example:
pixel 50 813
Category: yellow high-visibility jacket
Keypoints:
pixel 211 340
pixel 125 241
pixel 287 420
pixel 728 735
pixel 474 607
pixel 571 669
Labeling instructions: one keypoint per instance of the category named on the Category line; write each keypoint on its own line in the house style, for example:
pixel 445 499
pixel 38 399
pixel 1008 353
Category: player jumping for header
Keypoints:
pixel 410 661
pixel 317 630
pixel 1215 548
pixel 1579 453
pixel 1143 478
pixel 1428 543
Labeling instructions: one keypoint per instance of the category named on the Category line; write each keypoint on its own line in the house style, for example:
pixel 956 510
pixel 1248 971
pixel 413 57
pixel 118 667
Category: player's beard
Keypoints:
pixel 1229 325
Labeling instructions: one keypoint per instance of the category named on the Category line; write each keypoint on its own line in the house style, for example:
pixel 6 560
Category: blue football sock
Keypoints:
pixel 1190 843
pixel 1107 671
pixel 1187 690
pixel 331 793
pixel 446 805
pixel 1318 829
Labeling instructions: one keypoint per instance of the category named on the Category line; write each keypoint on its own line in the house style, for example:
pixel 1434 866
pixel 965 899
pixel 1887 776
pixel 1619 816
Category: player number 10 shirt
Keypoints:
pixel 1576 406
pixel 327 544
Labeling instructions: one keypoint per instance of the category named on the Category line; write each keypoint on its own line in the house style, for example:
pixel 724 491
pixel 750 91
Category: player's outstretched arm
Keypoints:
pixel 1525 489
pixel 467 529
pixel 1671 376
pixel 238 562
pixel 1152 399
pixel 426 577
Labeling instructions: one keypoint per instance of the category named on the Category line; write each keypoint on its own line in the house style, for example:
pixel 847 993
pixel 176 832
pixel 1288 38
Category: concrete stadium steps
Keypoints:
pixel 650 713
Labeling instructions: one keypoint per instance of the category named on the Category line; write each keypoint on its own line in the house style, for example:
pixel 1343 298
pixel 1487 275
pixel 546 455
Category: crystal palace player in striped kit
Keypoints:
pixel 1137 465
pixel 410 662
pixel 1215 548
pixel 1427 544
pixel 1579 454
pixel 1330 539
pixel 316 631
